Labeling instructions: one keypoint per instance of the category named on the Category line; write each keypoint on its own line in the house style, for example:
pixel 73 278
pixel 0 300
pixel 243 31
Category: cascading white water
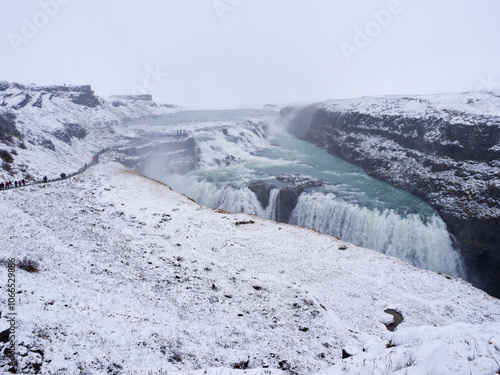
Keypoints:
pixel 235 152
pixel 236 200
pixel 424 244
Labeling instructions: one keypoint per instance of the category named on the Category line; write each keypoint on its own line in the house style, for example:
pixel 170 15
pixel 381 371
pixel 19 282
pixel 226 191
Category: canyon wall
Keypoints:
pixel 444 149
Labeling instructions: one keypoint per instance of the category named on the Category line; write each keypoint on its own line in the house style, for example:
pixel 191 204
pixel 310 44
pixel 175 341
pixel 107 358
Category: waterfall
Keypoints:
pixel 226 197
pixel 236 152
pixel 424 243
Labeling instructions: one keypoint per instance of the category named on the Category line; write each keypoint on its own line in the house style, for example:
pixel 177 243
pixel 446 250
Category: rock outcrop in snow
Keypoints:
pixel 290 189
pixel 165 153
pixel 444 148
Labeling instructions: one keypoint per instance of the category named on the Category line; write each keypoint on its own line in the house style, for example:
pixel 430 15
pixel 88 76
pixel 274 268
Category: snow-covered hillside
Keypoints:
pixel 61 127
pixel 460 108
pixel 136 277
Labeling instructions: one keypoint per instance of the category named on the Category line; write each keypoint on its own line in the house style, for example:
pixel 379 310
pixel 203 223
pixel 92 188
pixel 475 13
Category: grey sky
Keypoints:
pixel 236 52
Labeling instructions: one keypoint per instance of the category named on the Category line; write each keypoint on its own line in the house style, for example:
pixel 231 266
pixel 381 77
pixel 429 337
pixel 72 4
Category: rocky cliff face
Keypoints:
pixel 444 149
pixel 35 95
pixel 155 154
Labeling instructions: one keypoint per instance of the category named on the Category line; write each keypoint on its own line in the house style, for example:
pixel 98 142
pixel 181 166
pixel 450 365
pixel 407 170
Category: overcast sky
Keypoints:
pixel 237 52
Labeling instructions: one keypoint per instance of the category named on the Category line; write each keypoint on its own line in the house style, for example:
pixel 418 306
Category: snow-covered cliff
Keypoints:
pixel 47 130
pixel 444 148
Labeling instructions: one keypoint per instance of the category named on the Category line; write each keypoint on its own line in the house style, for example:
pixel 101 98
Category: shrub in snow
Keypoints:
pixel 6 156
pixel 28 265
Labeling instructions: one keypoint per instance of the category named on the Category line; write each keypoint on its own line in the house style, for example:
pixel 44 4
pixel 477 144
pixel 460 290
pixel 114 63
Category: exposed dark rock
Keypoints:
pixel 288 196
pixel 244 222
pixel 47 143
pixel 75 130
pixel 262 191
pixel 26 99
pixel 287 201
pixel 70 131
pixel 86 97
pixel 6 156
pixel 299 180
pixel 4 336
pixel 226 161
pixel 38 102
pixel 243 365
pixel 8 130
pixel 62 136
pixel 398 319
pixel 453 166
pixel 167 154
pixel 345 355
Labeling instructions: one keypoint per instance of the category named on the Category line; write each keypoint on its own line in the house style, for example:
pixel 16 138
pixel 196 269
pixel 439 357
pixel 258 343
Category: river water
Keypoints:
pixel 238 147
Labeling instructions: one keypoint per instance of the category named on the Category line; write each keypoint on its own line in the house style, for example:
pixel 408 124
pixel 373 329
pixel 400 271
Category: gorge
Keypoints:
pixel 442 148
pixel 245 161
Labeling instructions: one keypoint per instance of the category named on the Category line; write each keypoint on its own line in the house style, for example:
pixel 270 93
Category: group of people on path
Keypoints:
pixel 17 184
pixel 10 184
pixel 21 183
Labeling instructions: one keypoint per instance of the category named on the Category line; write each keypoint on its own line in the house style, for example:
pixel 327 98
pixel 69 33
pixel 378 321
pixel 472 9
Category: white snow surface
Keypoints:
pixel 454 107
pixel 134 277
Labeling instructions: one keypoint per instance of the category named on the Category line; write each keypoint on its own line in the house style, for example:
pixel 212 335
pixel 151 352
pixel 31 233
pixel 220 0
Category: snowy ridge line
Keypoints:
pixel 135 277
pixel 464 107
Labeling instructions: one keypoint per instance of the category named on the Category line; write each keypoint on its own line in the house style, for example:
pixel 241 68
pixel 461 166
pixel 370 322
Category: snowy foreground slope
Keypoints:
pixel 135 277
